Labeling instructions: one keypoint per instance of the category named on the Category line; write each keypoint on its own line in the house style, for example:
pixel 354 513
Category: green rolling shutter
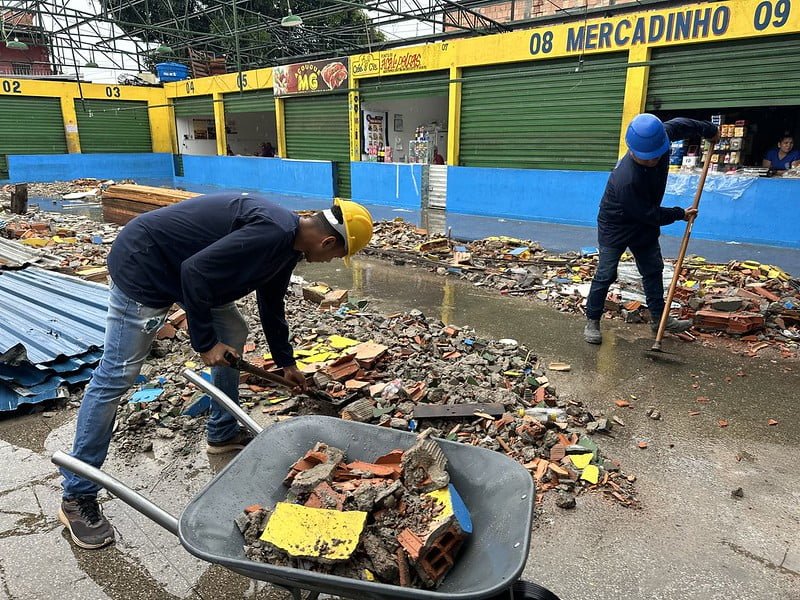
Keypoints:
pixel 736 74
pixel 420 85
pixel 248 102
pixel 193 106
pixel 544 114
pixel 31 125
pixel 113 126
pixel 317 128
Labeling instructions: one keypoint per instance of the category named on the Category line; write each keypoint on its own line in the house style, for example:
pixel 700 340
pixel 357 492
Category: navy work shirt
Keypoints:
pixel 630 211
pixel 209 251
pixel 782 164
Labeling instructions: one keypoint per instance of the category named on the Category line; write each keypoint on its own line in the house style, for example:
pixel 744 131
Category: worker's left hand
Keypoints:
pixel 216 356
pixel 689 213
pixel 294 375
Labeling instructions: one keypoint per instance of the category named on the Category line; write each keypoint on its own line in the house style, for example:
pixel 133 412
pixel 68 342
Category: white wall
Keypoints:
pixel 416 112
pixel 251 130
pixel 186 141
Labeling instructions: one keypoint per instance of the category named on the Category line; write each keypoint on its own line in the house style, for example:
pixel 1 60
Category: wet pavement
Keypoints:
pixel 691 538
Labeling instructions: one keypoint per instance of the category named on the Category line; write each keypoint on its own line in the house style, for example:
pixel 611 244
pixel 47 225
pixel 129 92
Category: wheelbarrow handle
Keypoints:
pixel 223 400
pixel 119 489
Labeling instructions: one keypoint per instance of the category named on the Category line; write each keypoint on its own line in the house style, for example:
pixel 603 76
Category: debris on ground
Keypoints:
pixel 67 243
pixel 756 303
pixel 403 371
pixel 752 305
pixel 367 521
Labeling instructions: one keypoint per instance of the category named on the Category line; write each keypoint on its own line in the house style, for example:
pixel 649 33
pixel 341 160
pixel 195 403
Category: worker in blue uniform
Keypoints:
pixel 204 254
pixel 631 215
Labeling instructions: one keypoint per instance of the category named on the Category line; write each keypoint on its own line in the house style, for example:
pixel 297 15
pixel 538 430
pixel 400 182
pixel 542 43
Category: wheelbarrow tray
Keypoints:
pixel 498 492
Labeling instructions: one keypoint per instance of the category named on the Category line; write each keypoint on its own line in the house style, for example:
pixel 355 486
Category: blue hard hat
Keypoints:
pixel 646 137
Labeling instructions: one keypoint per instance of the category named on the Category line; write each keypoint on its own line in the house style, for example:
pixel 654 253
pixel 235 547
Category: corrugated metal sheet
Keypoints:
pixel 418 85
pixel 547 114
pixel 51 334
pixel 437 186
pixel 255 101
pixel 729 74
pixel 317 128
pixel 113 126
pixel 50 315
pixel 31 125
pixel 14 255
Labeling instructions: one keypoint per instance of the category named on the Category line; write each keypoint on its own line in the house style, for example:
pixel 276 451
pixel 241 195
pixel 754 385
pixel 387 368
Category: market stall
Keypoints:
pixel 194 125
pixel 250 123
pixel 404 118
pixel 750 87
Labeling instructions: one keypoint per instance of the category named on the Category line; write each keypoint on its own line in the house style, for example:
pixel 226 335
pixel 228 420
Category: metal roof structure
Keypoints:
pixel 129 34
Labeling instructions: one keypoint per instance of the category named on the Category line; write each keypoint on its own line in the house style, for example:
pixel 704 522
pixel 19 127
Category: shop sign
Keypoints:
pixel 407 60
pixel 657 28
pixel 310 77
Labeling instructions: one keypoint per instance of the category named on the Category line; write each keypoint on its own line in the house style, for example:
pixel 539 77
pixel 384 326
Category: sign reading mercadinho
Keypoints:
pixel 686 24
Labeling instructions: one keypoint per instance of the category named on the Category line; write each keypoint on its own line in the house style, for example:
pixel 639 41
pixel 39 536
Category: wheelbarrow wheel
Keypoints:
pixel 526 590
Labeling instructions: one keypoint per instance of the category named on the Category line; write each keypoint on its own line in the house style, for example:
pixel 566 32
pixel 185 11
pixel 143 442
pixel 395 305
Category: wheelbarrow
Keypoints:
pixel 498 492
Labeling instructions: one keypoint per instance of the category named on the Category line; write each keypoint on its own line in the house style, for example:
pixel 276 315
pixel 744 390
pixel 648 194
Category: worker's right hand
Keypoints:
pixel 294 375
pixel 216 356
pixel 689 213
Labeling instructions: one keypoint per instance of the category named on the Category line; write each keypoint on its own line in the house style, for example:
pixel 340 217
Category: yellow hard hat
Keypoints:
pixel 356 228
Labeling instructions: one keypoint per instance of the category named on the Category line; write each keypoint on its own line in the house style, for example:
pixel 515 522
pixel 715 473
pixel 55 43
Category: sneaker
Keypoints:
pixel 673 325
pixel 591 333
pixel 87 525
pixel 233 444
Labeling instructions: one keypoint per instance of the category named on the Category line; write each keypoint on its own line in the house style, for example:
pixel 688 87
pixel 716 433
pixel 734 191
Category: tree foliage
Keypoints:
pixel 211 26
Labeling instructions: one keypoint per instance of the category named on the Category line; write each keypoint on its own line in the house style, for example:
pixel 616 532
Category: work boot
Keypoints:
pixel 232 444
pixel 87 525
pixel 673 325
pixel 591 333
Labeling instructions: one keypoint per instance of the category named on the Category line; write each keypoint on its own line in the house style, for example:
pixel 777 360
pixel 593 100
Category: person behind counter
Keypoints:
pixel 267 150
pixel 438 159
pixel 783 157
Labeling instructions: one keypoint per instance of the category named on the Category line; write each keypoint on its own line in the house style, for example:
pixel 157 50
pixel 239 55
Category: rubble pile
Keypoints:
pixel 766 310
pixel 396 520
pixel 89 186
pixel 403 371
pixel 78 244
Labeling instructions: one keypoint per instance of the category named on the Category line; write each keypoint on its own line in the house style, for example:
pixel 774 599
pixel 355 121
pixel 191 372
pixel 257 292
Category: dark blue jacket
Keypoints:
pixel 209 251
pixel 631 214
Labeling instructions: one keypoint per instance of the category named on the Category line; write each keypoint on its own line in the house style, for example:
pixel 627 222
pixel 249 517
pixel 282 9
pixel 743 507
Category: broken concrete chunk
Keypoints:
pixel 424 466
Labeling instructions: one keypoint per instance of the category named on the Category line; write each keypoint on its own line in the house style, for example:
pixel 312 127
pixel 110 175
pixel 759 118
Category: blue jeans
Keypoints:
pixel 130 330
pixel 650 266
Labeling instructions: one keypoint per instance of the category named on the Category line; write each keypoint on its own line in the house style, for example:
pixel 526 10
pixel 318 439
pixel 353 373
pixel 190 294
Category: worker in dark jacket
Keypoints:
pixel 203 254
pixel 631 215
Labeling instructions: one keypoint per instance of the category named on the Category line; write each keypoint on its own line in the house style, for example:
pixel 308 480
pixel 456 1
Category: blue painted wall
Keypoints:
pixel 569 197
pixel 767 212
pixel 388 184
pixel 295 177
pixel 762 211
pixel 64 167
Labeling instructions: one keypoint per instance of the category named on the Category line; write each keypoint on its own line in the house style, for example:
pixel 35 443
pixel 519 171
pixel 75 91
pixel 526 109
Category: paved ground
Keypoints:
pixel 690 540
